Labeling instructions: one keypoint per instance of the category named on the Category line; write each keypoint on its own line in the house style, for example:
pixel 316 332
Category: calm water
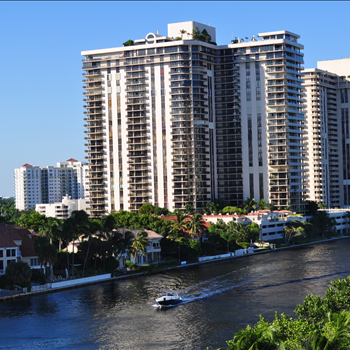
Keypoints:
pixel 219 300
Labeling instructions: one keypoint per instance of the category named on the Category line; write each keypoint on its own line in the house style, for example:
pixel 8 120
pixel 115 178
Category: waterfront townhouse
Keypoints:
pixel 16 244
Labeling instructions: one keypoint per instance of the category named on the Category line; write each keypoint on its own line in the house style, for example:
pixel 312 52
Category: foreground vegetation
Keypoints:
pixel 321 323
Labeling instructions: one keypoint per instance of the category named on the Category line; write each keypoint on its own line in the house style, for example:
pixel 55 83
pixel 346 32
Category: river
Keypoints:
pixel 219 300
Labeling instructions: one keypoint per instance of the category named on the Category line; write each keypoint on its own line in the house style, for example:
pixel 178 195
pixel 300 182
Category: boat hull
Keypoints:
pixel 168 302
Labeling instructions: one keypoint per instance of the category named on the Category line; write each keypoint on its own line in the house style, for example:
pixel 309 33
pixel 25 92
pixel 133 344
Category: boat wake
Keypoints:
pixel 212 287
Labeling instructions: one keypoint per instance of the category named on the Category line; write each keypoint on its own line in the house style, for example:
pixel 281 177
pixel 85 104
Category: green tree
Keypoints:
pixel 73 227
pixel 32 220
pixel 140 244
pixel 262 204
pixel 290 233
pixel 124 244
pixel 182 32
pixel 234 210
pixel 249 204
pixel 196 225
pixel 212 208
pixel 189 209
pixel 94 228
pixel 40 244
pixel 50 257
pixel 18 272
pixel 228 236
pixel 51 228
pixel 325 226
pixel 147 208
pixel 129 43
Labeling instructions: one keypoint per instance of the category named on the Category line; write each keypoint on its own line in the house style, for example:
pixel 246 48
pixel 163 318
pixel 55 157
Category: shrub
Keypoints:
pixel 111 264
pixel 38 277
pixel 145 268
pixel 4 282
pixel 130 265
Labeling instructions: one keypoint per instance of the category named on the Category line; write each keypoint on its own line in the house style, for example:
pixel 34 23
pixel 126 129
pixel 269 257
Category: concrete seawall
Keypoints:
pixel 82 282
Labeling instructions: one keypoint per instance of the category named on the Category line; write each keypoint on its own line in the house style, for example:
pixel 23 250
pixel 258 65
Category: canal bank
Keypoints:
pixel 77 283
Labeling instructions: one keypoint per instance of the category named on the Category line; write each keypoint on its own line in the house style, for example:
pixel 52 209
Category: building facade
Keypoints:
pixel 327 93
pixel 35 185
pixel 174 119
pixel 323 139
pixel 61 210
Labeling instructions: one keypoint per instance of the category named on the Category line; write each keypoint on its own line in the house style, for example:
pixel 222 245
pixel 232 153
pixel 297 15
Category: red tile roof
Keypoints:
pixel 28 238
pixel 9 234
pixel 72 160
pixel 26 165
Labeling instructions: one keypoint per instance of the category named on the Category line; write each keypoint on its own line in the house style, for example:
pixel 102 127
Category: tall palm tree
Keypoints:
pixel 50 257
pixel 249 204
pixel 228 236
pixel 176 235
pixel 196 225
pixel 73 227
pixel 94 227
pixel 182 31
pixel 39 247
pixel 140 244
pixel 124 244
pixel 238 229
pixel 51 228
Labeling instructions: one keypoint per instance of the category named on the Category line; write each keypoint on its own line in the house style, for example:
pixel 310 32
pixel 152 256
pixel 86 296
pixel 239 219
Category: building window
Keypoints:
pixel 251 185
pixel 34 262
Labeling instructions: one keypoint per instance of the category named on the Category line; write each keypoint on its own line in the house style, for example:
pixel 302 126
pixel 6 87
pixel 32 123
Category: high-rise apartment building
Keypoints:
pixel 177 119
pixel 328 90
pixel 323 138
pixel 36 185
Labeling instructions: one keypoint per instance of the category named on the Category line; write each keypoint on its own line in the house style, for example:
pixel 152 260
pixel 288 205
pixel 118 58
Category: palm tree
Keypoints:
pixel 196 225
pixel 140 244
pixel 182 32
pixel 238 229
pixel 39 248
pixel 249 204
pixel 50 257
pixel 94 227
pixel 176 235
pixel 228 236
pixel 291 232
pixel 73 227
pixel 123 246
pixel 179 222
pixel 51 228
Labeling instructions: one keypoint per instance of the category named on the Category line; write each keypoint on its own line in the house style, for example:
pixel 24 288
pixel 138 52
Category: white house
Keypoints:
pixel 17 244
pixel 271 224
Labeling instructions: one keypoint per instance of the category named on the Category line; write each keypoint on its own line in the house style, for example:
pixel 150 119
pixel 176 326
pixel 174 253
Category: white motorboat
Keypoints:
pixel 170 297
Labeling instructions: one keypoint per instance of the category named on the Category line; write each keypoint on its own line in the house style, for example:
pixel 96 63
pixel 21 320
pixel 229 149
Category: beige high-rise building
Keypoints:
pixel 178 119
pixel 328 90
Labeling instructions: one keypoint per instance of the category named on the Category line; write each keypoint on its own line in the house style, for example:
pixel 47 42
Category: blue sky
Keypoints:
pixel 41 78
